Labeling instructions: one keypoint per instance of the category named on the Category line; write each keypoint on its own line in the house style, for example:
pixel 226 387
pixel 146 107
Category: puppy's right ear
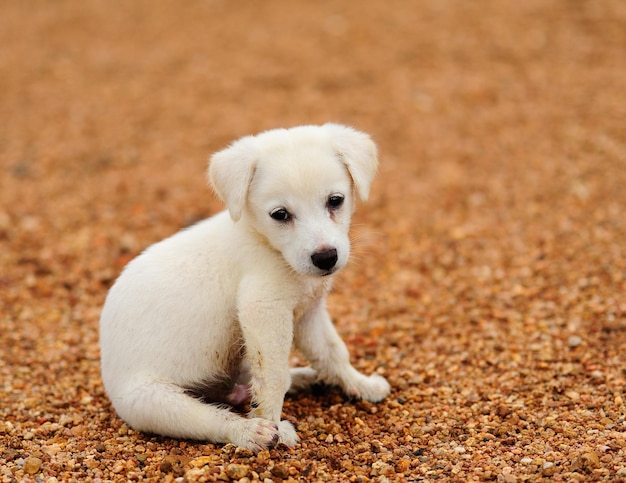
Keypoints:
pixel 230 173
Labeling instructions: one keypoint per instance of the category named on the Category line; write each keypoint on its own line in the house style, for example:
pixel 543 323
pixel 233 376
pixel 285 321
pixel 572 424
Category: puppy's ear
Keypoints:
pixel 230 173
pixel 358 152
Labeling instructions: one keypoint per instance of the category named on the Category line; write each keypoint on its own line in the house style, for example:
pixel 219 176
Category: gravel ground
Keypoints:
pixel 490 269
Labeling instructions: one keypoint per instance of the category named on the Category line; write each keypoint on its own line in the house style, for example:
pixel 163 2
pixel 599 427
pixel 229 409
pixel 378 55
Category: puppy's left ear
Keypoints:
pixel 358 152
pixel 230 173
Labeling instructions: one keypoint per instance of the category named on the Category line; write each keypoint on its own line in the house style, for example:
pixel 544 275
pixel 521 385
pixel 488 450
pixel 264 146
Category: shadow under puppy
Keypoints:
pixel 208 316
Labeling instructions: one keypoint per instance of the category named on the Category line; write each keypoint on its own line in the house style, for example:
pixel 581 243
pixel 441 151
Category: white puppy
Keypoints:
pixel 208 316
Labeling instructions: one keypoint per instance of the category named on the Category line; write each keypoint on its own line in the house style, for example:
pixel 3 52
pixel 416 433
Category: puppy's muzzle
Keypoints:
pixel 325 259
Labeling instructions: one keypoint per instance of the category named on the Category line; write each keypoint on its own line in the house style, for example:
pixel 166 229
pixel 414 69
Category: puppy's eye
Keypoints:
pixel 281 214
pixel 335 201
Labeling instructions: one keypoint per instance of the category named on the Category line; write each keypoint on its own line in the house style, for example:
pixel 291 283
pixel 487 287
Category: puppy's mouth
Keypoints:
pixel 328 272
pixel 315 272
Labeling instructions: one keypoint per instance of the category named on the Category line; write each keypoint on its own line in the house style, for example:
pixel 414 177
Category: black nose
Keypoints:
pixel 325 259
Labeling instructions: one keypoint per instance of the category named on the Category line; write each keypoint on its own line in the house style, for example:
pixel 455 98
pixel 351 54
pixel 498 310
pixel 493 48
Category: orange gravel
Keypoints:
pixel 489 277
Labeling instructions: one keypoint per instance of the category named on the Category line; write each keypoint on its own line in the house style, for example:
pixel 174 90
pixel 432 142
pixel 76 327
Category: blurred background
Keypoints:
pixel 491 258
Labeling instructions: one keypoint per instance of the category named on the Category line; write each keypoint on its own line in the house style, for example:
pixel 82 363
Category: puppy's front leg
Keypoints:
pixel 317 339
pixel 267 329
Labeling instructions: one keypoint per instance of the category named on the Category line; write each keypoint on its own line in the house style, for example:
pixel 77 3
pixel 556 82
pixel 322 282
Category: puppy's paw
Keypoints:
pixel 287 434
pixel 301 378
pixel 257 434
pixel 374 388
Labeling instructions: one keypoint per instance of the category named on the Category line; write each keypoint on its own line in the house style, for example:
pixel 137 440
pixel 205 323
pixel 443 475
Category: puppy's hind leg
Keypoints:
pixel 302 378
pixel 166 409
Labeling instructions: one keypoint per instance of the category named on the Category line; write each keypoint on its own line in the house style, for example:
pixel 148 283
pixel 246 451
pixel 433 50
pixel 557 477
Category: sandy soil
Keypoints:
pixel 490 274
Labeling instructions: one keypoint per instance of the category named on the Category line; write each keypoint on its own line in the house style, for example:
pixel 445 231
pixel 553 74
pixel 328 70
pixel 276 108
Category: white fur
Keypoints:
pixel 219 304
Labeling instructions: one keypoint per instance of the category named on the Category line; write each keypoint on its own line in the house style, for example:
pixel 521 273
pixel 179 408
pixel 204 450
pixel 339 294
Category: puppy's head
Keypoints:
pixel 296 188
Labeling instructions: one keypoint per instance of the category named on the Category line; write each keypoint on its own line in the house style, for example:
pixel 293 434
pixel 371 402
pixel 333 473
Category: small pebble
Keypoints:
pixel 586 462
pixel 574 341
pixel 32 465
pixel 597 375
pixel 201 461
pixel 573 395
pixel 64 420
pixel 237 471
pixel 280 471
